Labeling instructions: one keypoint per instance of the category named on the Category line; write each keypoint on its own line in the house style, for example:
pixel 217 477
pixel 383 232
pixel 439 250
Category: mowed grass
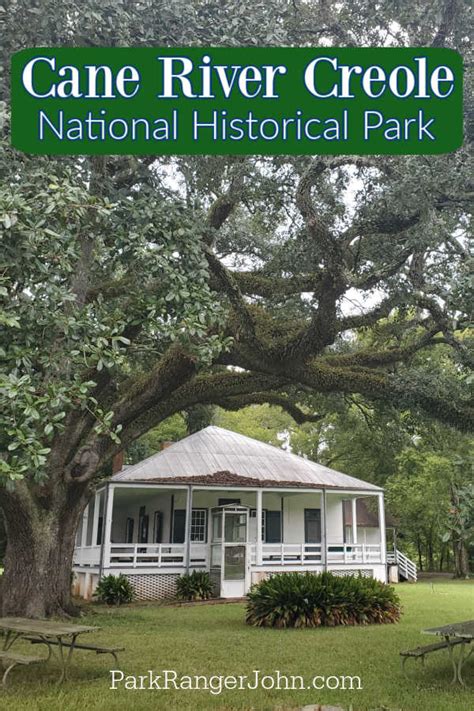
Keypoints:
pixel 213 640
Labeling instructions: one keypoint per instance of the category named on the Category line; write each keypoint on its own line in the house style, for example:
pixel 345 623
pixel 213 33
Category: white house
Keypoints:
pixel 236 507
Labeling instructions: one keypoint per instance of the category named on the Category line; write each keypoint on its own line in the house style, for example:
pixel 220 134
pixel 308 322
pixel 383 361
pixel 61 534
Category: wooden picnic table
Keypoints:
pixel 459 634
pixel 60 634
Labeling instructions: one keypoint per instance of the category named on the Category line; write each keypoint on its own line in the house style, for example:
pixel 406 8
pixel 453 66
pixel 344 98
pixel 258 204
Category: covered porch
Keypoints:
pixel 149 529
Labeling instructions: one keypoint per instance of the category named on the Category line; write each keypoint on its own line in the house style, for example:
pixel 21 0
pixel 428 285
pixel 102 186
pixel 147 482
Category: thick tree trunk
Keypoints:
pixel 461 560
pixel 40 544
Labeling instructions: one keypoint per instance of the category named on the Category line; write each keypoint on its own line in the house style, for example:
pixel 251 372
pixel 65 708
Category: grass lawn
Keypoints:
pixel 214 640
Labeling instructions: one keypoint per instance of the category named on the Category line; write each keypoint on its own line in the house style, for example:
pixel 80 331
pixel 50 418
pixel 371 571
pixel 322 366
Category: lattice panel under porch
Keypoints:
pixel 366 573
pixel 153 586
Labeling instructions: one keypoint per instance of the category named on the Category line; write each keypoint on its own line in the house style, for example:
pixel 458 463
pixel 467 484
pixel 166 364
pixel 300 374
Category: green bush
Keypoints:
pixel 195 586
pixel 114 590
pixel 309 600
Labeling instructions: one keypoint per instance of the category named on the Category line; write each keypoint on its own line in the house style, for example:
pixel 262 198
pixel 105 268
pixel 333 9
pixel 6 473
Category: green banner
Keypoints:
pixel 239 100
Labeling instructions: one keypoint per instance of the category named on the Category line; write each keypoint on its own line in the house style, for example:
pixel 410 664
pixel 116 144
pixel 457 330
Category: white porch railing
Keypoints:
pixel 312 553
pixel 87 556
pixel 155 555
pixel 347 553
pixel 173 555
pixel 287 553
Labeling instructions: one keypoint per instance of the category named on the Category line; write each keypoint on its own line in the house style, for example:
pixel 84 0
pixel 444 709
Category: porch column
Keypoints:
pixel 259 517
pixel 383 544
pixel 354 520
pixel 324 534
pixel 95 520
pixel 187 531
pixel 85 526
pixel 108 526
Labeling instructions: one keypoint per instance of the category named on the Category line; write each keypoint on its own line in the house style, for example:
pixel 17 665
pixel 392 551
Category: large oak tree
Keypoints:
pixel 135 288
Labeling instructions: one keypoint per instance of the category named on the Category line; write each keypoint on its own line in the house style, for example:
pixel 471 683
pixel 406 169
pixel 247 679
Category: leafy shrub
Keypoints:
pixel 194 586
pixel 114 590
pixel 309 600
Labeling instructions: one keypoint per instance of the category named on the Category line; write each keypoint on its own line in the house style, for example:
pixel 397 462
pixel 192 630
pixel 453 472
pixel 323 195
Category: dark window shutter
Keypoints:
pixel 179 524
pixel 157 527
pixel 143 531
pixel 100 526
pixel 129 530
pixel 312 525
pixel 273 527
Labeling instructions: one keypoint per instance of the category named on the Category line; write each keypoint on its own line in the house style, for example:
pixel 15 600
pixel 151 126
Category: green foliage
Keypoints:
pixel 263 422
pixel 170 430
pixel 308 600
pixel 461 516
pixel 356 437
pixel 62 336
pixel 418 495
pixel 194 586
pixel 198 417
pixel 114 590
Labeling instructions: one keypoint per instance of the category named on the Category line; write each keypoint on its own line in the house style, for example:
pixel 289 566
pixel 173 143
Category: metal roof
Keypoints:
pixel 214 449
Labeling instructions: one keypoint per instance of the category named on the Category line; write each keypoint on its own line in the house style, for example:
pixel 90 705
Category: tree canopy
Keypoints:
pixel 137 287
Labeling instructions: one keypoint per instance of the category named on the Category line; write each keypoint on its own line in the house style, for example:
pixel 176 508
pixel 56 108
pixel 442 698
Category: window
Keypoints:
pixel 198 525
pixel 226 502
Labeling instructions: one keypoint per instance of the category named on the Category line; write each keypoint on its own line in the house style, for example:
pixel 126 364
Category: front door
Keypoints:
pixel 233 579
pixel 235 553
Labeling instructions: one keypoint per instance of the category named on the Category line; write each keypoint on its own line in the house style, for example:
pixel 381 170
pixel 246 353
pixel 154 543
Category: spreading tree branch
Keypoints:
pixel 260 398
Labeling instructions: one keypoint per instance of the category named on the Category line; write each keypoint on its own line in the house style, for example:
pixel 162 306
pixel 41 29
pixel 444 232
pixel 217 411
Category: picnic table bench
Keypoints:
pixel 460 633
pixel 52 634
pixel 11 660
pixel 77 645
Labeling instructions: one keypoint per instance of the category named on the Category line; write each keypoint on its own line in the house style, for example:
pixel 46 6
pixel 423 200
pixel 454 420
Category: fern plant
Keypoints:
pixel 194 586
pixel 114 590
pixel 309 600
